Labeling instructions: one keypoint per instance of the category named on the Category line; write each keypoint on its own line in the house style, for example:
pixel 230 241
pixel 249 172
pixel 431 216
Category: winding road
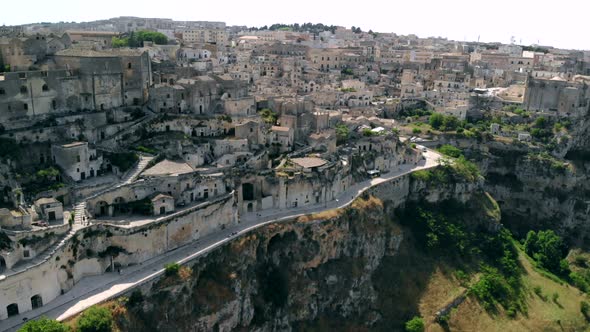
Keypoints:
pixel 93 290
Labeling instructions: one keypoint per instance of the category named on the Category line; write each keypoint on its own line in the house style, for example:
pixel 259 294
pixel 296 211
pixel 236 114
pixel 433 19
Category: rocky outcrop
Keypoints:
pixel 538 191
pixel 353 269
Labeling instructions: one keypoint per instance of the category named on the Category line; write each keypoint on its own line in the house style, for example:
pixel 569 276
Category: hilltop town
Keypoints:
pixel 124 139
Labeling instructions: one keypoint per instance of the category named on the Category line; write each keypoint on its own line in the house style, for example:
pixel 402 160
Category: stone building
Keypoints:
pixel 162 204
pixel 111 78
pixel 49 209
pixel 22 53
pixel 283 136
pixel 248 129
pixel 204 35
pixel 558 96
pixel 15 218
pixel 79 80
pixel 77 160
pixel 168 98
pixel 96 40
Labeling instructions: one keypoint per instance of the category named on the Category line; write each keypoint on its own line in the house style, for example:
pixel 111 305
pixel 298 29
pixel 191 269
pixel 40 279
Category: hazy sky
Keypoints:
pixel 561 23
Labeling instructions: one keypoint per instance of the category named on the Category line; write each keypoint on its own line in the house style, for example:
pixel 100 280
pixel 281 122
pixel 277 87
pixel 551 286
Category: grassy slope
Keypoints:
pixel 542 315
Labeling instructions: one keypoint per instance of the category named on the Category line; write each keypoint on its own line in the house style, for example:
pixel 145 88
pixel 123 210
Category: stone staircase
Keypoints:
pixel 80 212
pixel 79 222
pixel 129 177
pixel 133 174
pixel 45 255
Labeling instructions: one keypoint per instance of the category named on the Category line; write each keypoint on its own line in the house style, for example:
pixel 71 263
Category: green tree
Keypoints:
pixel 132 40
pixel 342 133
pixel 450 151
pixel 44 324
pixel 436 120
pixel 172 269
pixel 95 319
pixel 415 324
pixel 547 248
pixel 450 123
pixel 119 42
pixel 268 116
pixel 155 37
pixel 540 122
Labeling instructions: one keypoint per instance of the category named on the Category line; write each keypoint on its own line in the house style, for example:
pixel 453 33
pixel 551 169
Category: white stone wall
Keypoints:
pixel 140 244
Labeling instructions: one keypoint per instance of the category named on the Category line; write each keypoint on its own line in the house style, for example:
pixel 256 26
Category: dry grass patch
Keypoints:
pixel 370 202
pixel 323 215
pixel 185 273
pixel 543 313
pixel 442 288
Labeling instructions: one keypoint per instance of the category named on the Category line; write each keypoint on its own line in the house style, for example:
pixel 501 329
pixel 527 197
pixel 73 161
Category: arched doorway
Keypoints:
pixel 12 309
pixel 247 191
pixel 101 209
pixel 2 264
pixel 36 301
pixel 119 206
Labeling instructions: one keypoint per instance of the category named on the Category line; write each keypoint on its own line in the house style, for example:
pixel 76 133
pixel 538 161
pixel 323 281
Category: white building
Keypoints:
pixel 77 160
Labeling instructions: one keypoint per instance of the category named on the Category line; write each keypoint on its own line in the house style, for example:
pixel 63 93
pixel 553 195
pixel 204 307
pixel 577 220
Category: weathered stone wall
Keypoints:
pixel 90 252
pixel 34 241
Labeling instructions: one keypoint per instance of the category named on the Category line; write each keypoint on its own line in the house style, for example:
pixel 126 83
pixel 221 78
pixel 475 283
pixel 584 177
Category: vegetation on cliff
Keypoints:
pixel 44 324
pixel 446 229
pixel 123 161
pixel 451 171
pixel 360 268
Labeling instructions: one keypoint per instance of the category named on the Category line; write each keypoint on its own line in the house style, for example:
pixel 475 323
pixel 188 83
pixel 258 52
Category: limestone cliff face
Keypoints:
pixel 349 268
pixel 538 192
pixel 578 141
pixel 280 275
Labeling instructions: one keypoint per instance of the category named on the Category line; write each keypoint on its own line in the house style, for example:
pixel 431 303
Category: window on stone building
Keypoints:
pixel 23 89
pixel 22 75
pixel 53 104
pixel 45 87
pixel 78 158
pixel 26 253
pixel 25 106
pixel 129 65
pixel 2 91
